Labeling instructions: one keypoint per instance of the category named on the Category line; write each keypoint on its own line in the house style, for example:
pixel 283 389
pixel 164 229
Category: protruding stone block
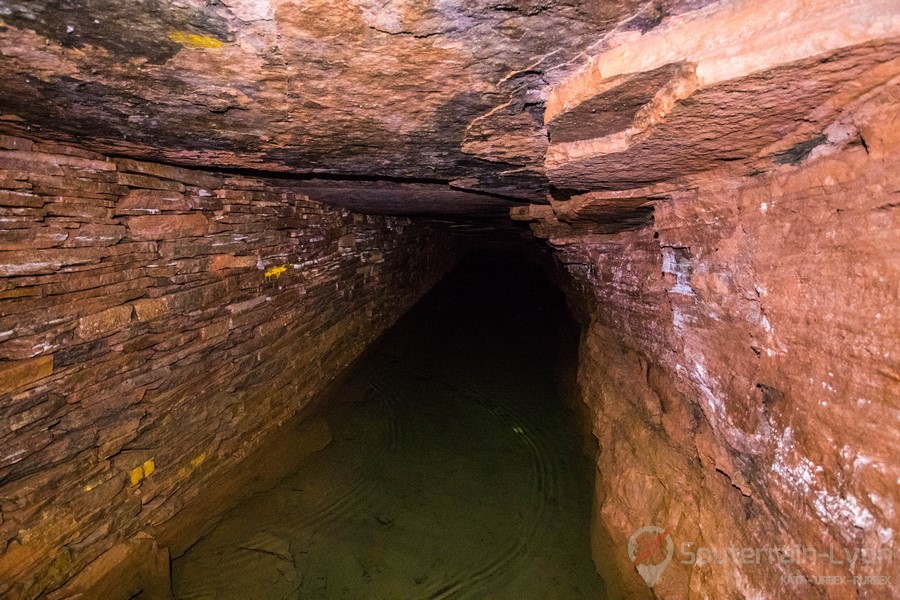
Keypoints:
pixel 162 227
pixel 148 309
pixel 143 202
pixel 100 323
pixel 221 262
pixel 19 373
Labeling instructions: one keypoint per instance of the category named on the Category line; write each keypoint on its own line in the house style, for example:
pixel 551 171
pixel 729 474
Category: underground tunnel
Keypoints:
pixel 449 299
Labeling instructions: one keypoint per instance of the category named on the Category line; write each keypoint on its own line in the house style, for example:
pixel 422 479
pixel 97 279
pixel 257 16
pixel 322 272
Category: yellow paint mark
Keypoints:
pixel 94 485
pixel 199 460
pixel 275 272
pixel 195 462
pixel 149 466
pixel 136 475
pixel 195 41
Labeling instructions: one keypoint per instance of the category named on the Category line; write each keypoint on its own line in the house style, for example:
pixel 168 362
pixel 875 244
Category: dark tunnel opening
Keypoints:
pixel 452 471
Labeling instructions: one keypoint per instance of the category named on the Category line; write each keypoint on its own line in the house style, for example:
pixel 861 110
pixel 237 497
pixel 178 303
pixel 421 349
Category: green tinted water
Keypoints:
pixel 454 472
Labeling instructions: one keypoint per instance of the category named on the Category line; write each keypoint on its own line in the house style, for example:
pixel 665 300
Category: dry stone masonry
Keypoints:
pixel 157 323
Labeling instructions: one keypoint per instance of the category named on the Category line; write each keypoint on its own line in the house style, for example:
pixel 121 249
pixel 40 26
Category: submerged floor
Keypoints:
pixel 454 471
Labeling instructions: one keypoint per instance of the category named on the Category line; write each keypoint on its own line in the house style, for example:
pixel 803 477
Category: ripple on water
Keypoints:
pixel 449 475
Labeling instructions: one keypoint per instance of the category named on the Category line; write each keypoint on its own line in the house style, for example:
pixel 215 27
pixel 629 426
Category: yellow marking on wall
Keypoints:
pixel 199 460
pixel 195 41
pixel 135 476
pixel 195 462
pixel 275 272
pixel 94 485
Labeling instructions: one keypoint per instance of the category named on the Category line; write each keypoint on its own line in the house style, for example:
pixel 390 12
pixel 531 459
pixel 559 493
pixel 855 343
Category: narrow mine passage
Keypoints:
pixel 454 470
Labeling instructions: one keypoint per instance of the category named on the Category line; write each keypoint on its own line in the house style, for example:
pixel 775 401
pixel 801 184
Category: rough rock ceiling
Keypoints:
pixel 750 79
pixel 731 90
pixel 444 95
pixel 449 107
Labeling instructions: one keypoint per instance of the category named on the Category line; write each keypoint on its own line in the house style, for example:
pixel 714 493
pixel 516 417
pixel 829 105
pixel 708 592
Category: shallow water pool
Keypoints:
pixel 454 472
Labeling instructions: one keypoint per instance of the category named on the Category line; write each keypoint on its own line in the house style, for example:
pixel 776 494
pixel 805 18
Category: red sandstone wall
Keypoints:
pixel 742 365
pixel 152 313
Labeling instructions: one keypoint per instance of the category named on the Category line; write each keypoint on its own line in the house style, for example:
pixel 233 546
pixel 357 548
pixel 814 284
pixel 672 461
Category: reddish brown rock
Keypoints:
pixel 718 179
pixel 139 201
pixel 245 92
pixel 97 324
pixel 23 239
pixel 729 344
pixel 147 309
pixel 153 341
pixel 24 199
pixel 161 227
pixel 14 143
pixel 91 234
pixel 151 183
pixel 55 160
pixel 229 261
pixel 716 86
pixel 82 211
pixel 19 373
pixel 21 292
pixel 31 262
pixel 186 176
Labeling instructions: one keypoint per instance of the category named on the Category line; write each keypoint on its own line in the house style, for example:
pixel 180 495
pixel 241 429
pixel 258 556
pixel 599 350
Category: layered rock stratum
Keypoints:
pixel 204 204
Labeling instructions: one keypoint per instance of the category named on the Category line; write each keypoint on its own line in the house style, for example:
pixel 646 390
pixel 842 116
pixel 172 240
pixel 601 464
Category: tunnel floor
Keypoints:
pixel 454 471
